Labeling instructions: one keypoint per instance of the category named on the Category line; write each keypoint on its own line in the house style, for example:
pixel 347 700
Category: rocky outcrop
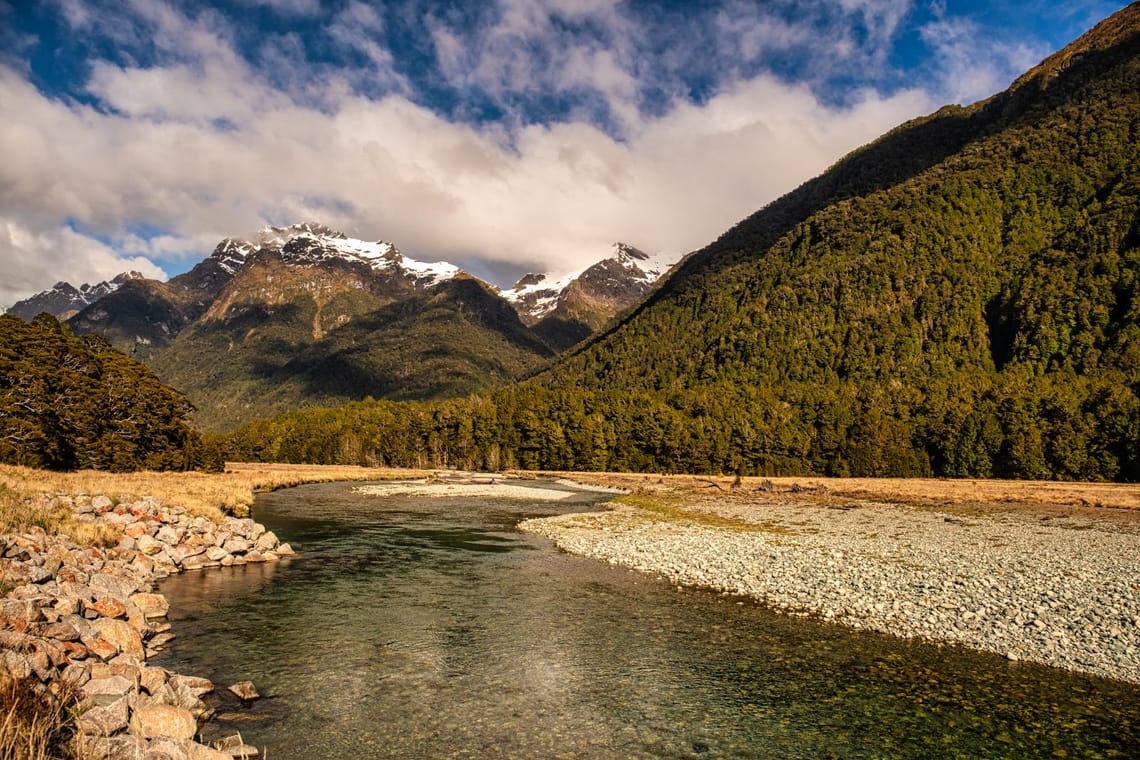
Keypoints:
pixel 80 621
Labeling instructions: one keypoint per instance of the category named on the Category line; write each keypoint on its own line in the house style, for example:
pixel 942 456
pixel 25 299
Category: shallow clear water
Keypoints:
pixel 418 627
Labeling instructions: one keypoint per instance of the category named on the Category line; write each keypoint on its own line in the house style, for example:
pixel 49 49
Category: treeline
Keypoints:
pixel 1018 426
pixel 76 403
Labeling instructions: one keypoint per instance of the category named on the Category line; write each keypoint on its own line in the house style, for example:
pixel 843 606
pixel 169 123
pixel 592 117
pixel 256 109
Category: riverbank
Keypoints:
pixel 1043 575
pixel 79 557
pixel 80 620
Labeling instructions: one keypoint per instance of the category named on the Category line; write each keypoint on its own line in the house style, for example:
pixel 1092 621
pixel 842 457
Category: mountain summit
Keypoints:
pixel 313 244
pixel 64 300
pixel 567 310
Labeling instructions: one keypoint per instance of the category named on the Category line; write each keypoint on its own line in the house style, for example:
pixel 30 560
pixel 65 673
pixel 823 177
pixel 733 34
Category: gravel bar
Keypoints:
pixel 1049 588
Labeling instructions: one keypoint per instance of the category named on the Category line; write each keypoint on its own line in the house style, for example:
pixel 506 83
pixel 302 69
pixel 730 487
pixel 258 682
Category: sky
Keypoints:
pixel 504 136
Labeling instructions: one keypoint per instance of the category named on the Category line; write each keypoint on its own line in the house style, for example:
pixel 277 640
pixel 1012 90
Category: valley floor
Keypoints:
pixel 1044 572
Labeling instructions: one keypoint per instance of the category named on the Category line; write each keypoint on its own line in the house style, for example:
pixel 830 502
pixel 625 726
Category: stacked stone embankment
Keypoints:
pixel 81 621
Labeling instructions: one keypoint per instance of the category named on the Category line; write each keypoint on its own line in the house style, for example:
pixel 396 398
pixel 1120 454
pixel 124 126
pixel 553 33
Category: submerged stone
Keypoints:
pixel 245 690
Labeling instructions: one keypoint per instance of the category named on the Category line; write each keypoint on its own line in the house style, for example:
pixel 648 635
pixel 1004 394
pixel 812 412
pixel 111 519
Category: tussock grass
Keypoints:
pixel 33 727
pixel 19 514
pixel 669 508
pixel 209 494
pixel 969 494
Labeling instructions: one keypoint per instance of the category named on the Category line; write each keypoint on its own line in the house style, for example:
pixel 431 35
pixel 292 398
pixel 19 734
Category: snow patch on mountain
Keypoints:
pixel 311 243
pixel 539 296
pixel 64 298
pixel 536 296
pixel 652 267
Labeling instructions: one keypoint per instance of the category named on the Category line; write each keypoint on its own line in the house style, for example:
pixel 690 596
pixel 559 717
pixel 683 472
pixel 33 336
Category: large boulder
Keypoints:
pixel 122 635
pixel 114 685
pixel 113 585
pixel 197 686
pixel 152 605
pixel 236 546
pixel 106 720
pixel 148 545
pixel 152 720
pixel 109 607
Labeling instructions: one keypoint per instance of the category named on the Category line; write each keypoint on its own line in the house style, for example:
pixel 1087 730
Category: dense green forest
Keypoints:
pixel 77 403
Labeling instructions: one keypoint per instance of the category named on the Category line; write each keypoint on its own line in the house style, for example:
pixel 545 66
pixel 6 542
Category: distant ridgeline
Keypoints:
pixel 304 316
pixel 69 403
pixel 958 298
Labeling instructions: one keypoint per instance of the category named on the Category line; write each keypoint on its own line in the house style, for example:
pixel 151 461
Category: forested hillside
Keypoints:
pixel 77 403
pixel 958 298
pixel 451 340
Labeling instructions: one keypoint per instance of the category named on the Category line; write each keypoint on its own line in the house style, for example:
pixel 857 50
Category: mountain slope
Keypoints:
pixel 455 338
pixel 146 315
pixel 302 315
pixel 960 297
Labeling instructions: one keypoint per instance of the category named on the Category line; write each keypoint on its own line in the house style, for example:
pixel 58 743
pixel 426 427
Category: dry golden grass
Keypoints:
pixel 959 491
pixel 1030 495
pixel 31 727
pixel 18 514
pixel 201 493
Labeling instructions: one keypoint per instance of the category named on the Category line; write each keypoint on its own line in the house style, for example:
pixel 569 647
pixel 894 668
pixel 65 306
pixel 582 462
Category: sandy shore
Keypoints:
pixel 1042 575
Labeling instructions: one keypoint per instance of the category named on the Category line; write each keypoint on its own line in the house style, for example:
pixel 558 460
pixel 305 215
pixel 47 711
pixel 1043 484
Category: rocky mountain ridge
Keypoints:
pixel 958 298
pixel 301 315
pixel 567 310
pixel 536 296
pixel 576 304
pixel 64 300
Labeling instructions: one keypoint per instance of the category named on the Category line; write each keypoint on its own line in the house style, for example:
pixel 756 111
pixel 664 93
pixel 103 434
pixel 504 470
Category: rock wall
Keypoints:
pixel 80 621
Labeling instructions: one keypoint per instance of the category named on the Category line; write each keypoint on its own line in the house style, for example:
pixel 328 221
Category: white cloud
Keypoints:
pixel 881 18
pixel 288 7
pixel 34 260
pixel 199 145
pixel 359 27
pixel 971 64
pixel 747 31
pixel 536 48
pixel 555 195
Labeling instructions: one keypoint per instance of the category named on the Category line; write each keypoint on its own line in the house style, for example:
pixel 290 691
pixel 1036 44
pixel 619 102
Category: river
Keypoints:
pixel 417 627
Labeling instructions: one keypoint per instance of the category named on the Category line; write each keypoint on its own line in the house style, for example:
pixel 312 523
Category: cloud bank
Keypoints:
pixel 530 135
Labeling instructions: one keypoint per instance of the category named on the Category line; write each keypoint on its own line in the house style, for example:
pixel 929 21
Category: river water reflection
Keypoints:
pixel 423 627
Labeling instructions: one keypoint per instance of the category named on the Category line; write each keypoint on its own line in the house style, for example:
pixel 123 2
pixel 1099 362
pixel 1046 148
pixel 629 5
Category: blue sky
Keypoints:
pixel 504 136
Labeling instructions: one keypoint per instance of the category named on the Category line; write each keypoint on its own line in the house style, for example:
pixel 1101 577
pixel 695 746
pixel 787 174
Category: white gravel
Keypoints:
pixel 1055 590
pixel 449 490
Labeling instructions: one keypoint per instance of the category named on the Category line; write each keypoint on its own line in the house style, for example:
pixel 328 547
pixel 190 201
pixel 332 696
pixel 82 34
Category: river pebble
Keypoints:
pixel 1056 591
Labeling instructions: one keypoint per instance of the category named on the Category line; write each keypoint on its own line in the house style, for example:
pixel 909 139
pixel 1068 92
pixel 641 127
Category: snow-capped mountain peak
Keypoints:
pixel 64 299
pixel 310 243
pixel 620 279
pixel 653 267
